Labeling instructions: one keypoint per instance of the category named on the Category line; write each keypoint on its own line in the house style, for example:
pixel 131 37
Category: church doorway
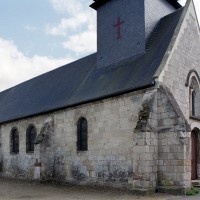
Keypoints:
pixel 194 140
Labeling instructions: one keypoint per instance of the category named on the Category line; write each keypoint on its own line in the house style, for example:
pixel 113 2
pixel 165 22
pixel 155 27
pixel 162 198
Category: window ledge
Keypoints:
pixel 195 118
pixel 14 153
pixel 30 152
pixel 81 152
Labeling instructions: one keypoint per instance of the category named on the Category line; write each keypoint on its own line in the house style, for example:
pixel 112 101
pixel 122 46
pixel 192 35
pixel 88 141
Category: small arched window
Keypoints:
pixel 14 141
pixel 82 135
pixel 194 98
pixel 30 138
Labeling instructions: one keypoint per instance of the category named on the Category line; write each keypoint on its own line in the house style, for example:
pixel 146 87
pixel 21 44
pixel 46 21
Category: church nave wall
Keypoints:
pixel 109 159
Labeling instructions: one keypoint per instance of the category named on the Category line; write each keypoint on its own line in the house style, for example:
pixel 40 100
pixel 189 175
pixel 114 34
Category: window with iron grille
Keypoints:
pixel 30 138
pixel 14 141
pixel 82 135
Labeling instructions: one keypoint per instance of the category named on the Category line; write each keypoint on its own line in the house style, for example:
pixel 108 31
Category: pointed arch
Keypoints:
pixel 192 73
pixel 193 82
pixel 14 141
pixel 30 138
pixel 82 134
pixel 194 100
pixel 193 103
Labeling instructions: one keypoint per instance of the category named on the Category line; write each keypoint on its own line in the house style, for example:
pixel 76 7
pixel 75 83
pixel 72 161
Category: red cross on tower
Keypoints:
pixel 118 26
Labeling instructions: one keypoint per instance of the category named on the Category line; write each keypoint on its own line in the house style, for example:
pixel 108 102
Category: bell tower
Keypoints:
pixel 123 27
pixel 119 35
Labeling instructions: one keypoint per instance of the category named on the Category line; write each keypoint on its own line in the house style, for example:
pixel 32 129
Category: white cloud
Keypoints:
pixel 67 25
pixel 16 67
pixel 71 7
pixel 197 6
pixel 75 15
pixel 78 26
pixel 82 43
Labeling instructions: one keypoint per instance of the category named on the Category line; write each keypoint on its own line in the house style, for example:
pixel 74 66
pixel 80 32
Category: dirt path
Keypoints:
pixel 10 189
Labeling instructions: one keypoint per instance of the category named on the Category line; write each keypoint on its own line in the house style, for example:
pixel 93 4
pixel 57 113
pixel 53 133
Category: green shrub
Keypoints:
pixel 192 191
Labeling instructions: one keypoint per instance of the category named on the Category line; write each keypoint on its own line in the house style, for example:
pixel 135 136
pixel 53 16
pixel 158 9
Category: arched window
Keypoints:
pixel 30 138
pixel 14 141
pixel 82 135
pixel 194 98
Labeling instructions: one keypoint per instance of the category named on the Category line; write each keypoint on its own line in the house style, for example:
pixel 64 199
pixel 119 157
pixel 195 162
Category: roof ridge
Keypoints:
pixel 153 35
pixel 174 37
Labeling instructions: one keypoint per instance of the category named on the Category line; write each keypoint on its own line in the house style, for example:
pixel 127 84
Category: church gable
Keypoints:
pixel 182 59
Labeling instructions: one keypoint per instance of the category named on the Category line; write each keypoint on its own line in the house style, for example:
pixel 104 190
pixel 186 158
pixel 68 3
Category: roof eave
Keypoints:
pixel 174 3
pixel 152 84
pixel 98 3
pixel 173 40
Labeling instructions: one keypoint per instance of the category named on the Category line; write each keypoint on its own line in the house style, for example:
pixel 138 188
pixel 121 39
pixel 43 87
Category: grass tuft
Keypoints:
pixel 192 191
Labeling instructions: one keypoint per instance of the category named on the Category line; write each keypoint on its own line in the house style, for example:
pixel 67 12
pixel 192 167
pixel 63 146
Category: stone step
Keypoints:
pixel 195 183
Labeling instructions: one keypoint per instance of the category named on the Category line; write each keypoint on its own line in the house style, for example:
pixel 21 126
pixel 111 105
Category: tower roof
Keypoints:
pixel 99 3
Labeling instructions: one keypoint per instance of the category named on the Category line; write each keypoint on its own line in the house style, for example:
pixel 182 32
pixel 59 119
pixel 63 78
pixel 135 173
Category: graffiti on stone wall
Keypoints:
pixel 59 172
pixel 20 167
pixel 114 172
pixel 79 171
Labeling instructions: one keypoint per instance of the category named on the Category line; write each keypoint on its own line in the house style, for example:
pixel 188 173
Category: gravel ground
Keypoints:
pixel 12 189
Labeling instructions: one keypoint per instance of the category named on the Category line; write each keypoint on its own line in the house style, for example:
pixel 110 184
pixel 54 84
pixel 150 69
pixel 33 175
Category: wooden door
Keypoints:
pixel 194 156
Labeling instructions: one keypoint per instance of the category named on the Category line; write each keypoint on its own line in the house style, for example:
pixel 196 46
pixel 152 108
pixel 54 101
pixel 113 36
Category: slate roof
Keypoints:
pixel 99 3
pixel 80 82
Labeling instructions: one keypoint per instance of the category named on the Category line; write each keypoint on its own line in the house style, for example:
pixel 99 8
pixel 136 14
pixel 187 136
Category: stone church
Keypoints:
pixel 126 116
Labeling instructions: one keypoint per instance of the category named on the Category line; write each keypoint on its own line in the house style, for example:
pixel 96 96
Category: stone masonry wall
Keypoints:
pixel 138 140
pixel 184 56
pixel 110 157
pixel 174 143
pixel 19 165
pixel 145 145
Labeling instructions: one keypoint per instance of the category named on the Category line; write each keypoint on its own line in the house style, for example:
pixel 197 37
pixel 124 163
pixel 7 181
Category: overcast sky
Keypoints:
pixel 39 35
